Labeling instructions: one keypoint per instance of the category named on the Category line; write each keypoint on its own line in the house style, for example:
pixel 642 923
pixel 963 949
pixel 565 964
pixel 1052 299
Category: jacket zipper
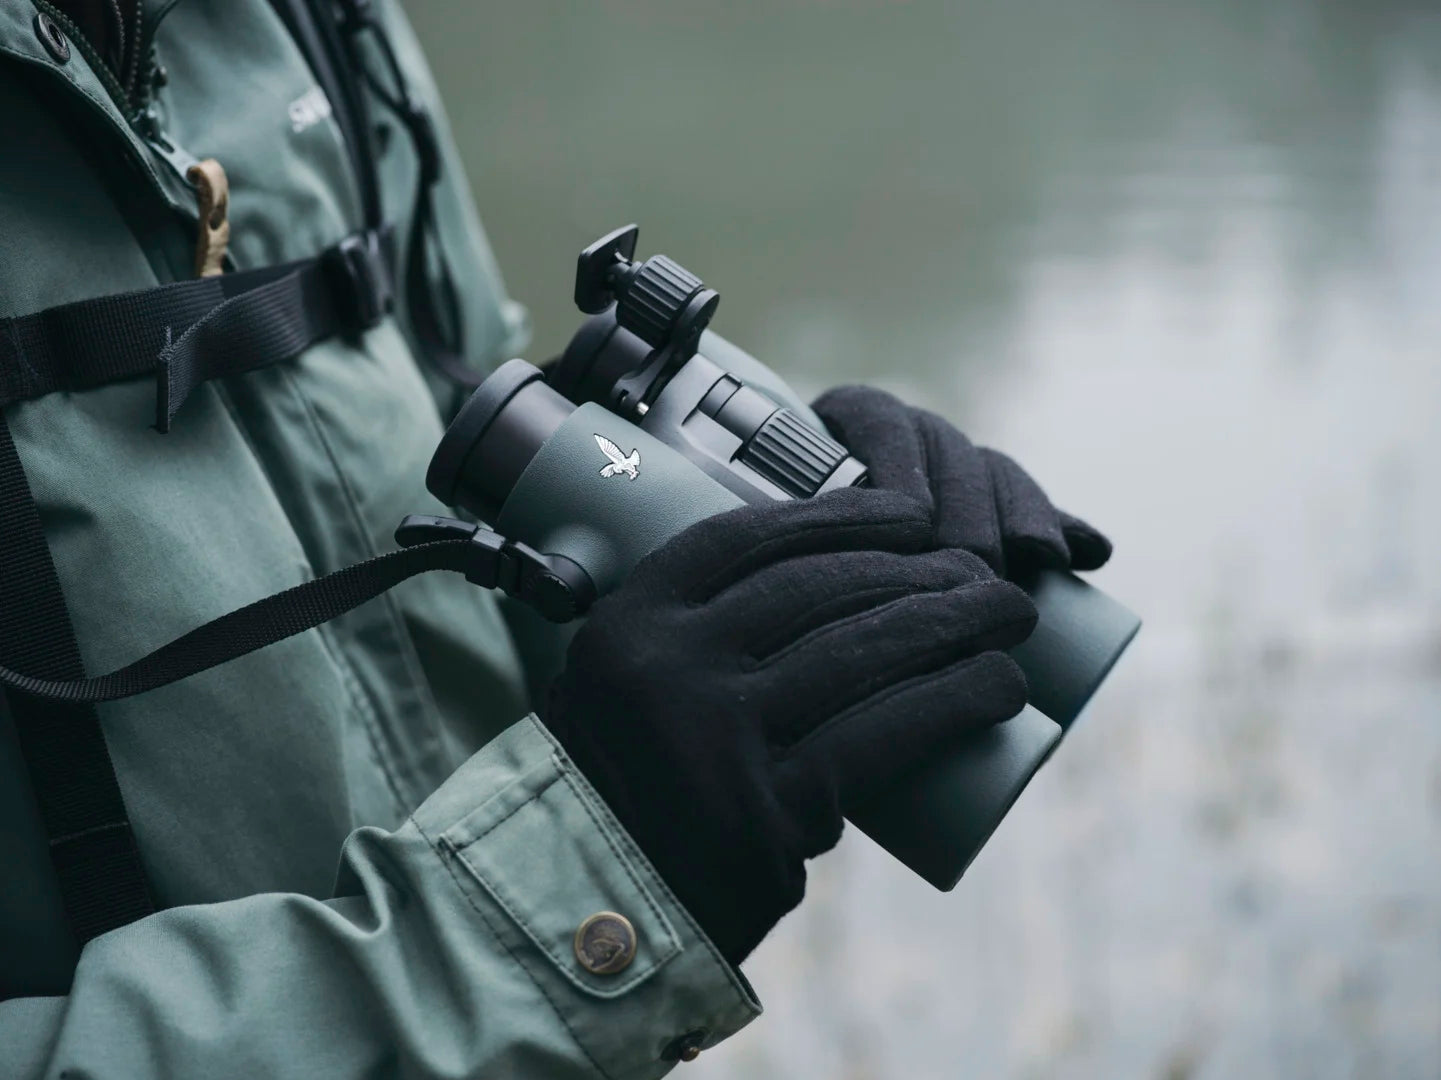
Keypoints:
pixel 132 96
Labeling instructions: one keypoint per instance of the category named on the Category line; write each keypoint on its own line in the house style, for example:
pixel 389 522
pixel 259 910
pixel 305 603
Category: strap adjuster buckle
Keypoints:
pixel 358 271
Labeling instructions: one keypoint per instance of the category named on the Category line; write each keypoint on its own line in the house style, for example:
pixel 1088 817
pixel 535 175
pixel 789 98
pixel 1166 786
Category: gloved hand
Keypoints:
pixel 765 671
pixel 979 499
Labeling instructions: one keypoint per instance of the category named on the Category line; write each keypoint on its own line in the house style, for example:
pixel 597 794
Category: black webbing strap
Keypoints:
pixel 553 585
pixel 329 34
pixel 313 28
pixel 188 332
pixel 252 627
pixel 91 845
pixel 431 299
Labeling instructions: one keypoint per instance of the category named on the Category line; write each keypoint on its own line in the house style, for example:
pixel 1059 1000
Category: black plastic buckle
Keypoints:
pixel 553 585
pixel 358 271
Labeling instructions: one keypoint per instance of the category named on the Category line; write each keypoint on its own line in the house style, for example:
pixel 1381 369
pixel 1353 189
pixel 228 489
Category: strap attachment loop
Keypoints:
pixel 558 588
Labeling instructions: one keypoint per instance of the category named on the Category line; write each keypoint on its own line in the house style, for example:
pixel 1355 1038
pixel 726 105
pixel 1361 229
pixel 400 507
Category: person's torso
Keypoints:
pixel 248 777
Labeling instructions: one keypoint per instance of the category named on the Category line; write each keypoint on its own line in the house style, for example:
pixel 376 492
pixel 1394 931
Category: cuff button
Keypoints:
pixel 684 1047
pixel 605 943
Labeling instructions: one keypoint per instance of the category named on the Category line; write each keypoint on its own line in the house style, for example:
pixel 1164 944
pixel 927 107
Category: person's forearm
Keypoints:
pixel 447 952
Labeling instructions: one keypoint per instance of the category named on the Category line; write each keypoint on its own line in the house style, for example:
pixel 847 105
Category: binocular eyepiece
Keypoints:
pixel 647 425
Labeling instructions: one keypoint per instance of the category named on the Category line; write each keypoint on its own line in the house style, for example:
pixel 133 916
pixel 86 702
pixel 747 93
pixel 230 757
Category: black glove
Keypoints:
pixel 768 669
pixel 980 499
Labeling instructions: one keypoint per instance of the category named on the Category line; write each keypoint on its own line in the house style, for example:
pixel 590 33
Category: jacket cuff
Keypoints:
pixel 540 857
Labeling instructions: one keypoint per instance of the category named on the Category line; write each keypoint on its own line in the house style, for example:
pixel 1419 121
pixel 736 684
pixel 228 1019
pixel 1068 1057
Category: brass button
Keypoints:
pixel 605 943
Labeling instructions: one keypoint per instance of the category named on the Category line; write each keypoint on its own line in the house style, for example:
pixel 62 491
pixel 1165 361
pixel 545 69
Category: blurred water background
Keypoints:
pixel 1181 258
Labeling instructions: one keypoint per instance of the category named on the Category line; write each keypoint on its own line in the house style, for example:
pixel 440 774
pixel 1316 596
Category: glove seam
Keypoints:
pixel 754 660
pixel 923 439
pixel 997 478
pixel 879 697
pixel 704 592
pixel 811 636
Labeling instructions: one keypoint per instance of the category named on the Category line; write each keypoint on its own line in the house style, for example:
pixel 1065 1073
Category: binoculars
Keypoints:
pixel 648 424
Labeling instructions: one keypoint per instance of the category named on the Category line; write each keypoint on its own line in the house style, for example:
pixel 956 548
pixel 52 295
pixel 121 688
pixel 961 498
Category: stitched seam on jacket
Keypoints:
pixel 406 647
pixel 81 42
pixel 119 126
pixel 613 991
pixel 639 856
pixel 443 851
pixel 349 682
pixel 625 863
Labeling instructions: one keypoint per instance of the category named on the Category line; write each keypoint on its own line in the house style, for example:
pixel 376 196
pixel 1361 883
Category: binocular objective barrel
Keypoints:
pixel 543 470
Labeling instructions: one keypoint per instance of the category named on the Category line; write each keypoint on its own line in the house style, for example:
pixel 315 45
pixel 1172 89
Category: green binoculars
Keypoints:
pixel 650 423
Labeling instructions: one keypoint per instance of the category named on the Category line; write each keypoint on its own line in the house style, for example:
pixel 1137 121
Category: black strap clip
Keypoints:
pixel 358 270
pixel 555 586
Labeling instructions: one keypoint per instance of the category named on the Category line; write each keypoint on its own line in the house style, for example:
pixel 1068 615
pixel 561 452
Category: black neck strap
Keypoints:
pixel 553 585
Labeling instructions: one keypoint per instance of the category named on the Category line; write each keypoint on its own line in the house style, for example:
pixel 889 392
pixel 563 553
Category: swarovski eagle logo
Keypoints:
pixel 619 463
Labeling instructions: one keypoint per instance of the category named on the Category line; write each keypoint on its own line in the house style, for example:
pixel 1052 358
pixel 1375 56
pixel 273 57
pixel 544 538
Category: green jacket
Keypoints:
pixel 392 743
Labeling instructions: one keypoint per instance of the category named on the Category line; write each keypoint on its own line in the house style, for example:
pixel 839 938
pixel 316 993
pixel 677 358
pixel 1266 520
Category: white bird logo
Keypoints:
pixel 619 462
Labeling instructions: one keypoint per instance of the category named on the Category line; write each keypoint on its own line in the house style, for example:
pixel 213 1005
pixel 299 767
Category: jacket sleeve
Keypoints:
pixel 447 951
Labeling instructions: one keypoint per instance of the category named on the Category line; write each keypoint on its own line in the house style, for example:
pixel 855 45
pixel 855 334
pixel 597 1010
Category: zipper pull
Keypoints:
pixel 212 192
pixel 212 231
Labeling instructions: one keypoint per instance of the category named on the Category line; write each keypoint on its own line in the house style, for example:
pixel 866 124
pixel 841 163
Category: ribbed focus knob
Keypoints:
pixel 792 455
pixel 655 298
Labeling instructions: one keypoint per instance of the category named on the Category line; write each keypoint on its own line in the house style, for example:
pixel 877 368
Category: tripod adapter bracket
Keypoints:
pixel 658 300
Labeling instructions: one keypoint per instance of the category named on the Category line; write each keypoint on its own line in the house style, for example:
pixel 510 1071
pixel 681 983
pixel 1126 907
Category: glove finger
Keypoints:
pixel 965 511
pixel 880 430
pixel 782 602
pixel 1089 548
pixel 719 551
pixel 830 669
pixel 1030 525
pixel 876 743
